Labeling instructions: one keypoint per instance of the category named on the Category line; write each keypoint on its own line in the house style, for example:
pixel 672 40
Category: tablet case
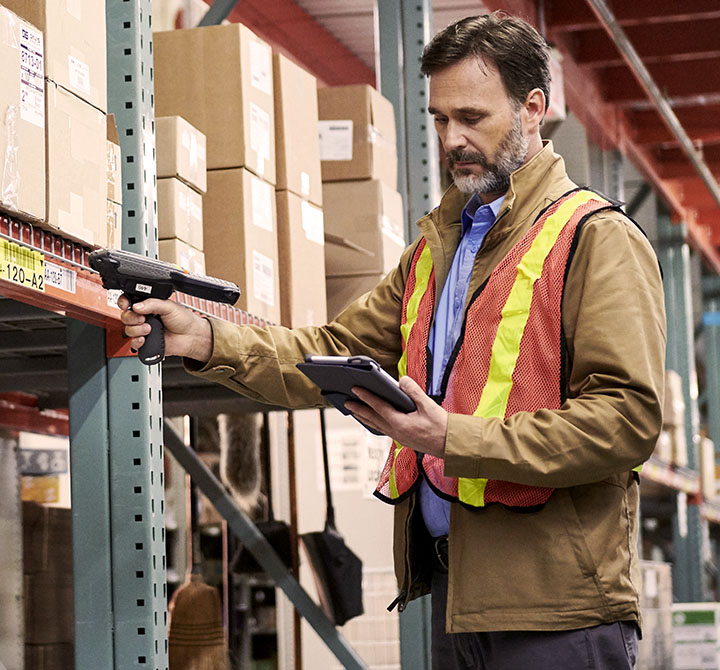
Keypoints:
pixel 337 379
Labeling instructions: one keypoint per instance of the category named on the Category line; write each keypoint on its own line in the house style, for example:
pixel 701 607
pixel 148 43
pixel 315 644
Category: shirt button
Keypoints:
pixel 474 248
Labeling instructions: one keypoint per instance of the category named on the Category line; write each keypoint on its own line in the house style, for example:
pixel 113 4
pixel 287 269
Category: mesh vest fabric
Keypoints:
pixel 508 358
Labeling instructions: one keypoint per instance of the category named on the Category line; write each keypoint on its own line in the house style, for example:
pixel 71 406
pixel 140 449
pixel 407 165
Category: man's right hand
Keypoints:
pixel 186 333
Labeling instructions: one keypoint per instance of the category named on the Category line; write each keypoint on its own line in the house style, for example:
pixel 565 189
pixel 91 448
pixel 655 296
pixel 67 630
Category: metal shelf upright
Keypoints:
pixel 116 409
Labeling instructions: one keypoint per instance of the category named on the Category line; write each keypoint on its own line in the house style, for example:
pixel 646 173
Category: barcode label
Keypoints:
pixel 60 277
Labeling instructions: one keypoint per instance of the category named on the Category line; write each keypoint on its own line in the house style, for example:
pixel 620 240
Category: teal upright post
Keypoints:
pixel 116 409
pixel 403 29
pixel 711 331
pixel 688 532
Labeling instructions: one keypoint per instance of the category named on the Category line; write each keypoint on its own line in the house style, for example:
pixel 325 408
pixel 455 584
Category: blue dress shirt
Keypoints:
pixel 477 219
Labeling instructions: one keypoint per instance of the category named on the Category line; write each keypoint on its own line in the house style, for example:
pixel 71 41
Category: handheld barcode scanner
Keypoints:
pixel 140 278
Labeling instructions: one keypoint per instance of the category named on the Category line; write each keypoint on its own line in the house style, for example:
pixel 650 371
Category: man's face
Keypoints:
pixel 480 127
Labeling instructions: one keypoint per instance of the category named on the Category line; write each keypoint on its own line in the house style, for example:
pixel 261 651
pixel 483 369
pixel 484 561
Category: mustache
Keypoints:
pixel 459 156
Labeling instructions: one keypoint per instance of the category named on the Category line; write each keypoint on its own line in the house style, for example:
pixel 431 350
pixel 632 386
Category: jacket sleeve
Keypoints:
pixel 614 324
pixel 259 363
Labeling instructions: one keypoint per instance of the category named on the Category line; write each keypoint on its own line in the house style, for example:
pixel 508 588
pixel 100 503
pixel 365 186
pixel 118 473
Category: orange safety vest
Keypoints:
pixel 509 357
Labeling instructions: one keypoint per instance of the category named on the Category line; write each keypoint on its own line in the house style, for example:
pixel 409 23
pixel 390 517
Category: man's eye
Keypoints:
pixel 472 120
pixel 440 120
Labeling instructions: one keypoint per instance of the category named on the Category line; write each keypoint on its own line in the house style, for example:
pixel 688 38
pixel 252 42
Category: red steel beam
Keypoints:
pixel 655 42
pixel 292 31
pixel 569 15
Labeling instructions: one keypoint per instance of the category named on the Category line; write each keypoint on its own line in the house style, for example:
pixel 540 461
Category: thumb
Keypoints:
pixel 412 388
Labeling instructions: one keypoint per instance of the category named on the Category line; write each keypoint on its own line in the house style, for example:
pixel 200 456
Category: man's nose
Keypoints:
pixel 454 136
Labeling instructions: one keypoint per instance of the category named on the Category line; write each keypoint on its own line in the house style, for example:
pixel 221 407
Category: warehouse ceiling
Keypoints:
pixel 672 139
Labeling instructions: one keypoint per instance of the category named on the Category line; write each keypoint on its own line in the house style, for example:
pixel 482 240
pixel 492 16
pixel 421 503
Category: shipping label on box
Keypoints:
pixel 226 92
pixel 22 122
pixel 75 44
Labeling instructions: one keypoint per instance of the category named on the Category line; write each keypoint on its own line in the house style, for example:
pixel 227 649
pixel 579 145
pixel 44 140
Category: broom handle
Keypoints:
pixel 330 516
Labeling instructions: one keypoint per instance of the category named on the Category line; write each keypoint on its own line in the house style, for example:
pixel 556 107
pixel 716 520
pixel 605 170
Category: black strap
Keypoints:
pixel 330 516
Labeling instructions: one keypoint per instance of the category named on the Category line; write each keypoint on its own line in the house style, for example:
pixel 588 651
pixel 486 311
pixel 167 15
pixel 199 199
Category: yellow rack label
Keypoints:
pixel 22 265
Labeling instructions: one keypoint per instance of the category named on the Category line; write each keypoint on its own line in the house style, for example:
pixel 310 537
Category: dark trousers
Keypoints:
pixel 606 647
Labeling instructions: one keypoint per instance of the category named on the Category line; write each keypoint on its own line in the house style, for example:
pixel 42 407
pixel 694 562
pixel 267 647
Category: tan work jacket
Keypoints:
pixel 574 563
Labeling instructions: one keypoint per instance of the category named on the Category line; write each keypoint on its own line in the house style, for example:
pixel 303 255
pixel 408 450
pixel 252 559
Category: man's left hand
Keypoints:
pixel 423 430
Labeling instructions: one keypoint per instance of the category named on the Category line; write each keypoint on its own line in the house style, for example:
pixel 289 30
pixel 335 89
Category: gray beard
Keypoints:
pixel 495 178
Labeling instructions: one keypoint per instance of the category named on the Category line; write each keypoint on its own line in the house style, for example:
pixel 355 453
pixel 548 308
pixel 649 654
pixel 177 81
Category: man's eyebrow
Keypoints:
pixel 461 110
pixel 432 110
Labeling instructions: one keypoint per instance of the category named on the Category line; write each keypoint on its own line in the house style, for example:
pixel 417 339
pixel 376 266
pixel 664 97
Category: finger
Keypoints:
pixel 123 302
pixel 412 388
pixel 154 306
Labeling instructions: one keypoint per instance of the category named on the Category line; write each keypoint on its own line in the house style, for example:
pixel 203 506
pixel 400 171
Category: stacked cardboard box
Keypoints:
pixel 655 649
pixel 75 105
pixel 182 180
pixel 674 417
pixel 696 636
pixel 48 586
pixel 707 468
pixel 226 92
pixel 364 220
pixel 114 186
pixel 298 196
pixel 22 118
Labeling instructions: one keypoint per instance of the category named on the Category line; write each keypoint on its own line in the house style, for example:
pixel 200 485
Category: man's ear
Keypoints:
pixel 534 109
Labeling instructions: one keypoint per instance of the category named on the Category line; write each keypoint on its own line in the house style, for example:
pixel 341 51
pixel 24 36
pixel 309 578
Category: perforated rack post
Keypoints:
pixel 116 408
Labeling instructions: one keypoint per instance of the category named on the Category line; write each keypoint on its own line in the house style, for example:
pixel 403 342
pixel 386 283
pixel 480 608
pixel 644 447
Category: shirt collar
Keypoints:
pixel 473 207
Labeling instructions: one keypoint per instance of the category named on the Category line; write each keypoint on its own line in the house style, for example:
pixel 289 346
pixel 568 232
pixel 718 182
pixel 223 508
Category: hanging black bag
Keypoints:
pixel 337 570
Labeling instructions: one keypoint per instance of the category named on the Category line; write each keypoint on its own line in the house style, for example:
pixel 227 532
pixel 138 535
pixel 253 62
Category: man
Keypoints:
pixel 527 324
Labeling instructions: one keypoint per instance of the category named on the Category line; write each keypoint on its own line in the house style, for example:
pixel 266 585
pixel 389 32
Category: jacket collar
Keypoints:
pixel 544 168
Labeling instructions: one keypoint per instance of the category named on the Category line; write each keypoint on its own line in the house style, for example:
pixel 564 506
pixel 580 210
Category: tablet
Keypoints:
pixel 336 375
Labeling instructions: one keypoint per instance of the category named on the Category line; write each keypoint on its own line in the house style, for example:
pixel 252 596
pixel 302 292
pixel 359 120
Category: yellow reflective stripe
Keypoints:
pixel 472 491
pixel 515 312
pixel 423 268
pixel 638 468
pixel 392 483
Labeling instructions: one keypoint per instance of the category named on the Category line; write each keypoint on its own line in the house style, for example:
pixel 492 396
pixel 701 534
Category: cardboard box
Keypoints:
pixel 357 134
pixel 180 212
pixel 301 255
pixel 75 44
pixel 47 539
pixel 707 468
pixel 59 656
pixel 674 401
pixel 341 291
pixel 297 147
pixel 369 215
pixel 696 636
pixel 48 608
pixel 114 165
pixel 22 119
pixel 225 91
pixel 114 225
pixel 181 152
pixel 76 167
pixel 182 254
pixel 241 239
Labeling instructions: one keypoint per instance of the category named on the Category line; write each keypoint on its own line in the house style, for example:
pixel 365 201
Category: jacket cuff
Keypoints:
pixel 463 442
pixel 223 360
